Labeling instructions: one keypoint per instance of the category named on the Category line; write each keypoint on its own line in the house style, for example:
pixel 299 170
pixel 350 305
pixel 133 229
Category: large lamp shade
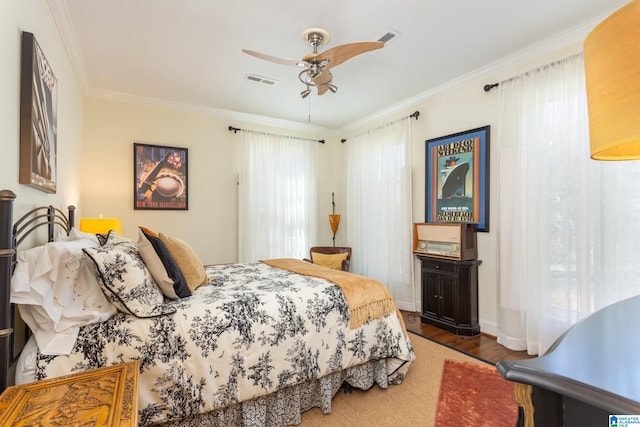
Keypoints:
pixel 100 225
pixel 612 70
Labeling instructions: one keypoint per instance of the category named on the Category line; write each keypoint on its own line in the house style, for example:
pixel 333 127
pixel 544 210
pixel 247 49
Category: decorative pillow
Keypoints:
pixel 187 260
pixel 126 281
pixel 162 266
pixel 148 232
pixel 110 237
pixel 332 261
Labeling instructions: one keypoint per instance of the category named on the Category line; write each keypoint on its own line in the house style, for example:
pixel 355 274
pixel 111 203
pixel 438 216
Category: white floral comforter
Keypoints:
pixel 253 330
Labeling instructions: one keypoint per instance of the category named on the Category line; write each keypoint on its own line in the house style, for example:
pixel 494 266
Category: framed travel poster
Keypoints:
pixel 38 118
pixel 457 178
pixel 160 177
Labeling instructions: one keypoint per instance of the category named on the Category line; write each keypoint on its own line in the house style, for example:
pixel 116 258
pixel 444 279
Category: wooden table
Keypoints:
pixel 100 397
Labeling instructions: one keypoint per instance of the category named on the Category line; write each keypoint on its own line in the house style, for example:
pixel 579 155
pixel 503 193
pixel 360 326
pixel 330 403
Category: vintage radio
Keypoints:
pixel 445 240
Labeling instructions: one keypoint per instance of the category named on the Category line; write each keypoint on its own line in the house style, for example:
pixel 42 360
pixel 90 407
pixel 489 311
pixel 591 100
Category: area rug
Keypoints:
pixel 412 403
pixel 473 394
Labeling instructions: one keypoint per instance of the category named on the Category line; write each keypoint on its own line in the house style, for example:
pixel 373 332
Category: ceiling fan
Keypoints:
pixel 316 72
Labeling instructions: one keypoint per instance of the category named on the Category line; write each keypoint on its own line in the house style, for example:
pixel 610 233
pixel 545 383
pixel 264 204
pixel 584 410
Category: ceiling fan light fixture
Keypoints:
pixel 316 66
pixel 308 77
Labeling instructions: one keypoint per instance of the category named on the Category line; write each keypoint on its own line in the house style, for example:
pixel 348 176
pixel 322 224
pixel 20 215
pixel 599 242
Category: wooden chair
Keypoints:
pixel 332 250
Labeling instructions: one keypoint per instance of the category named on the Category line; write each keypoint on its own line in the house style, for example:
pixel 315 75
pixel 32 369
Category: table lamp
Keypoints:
pixel 100 225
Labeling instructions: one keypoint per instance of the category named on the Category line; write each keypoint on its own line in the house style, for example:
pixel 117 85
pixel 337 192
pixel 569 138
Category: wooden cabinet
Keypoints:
pixel 450 294
pixel 100 397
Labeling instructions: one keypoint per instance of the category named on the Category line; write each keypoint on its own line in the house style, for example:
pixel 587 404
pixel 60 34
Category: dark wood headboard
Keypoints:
pixel 11 235
pixel 7 255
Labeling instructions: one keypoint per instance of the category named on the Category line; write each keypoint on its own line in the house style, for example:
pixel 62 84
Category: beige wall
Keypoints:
pixel 34 16
pixel 210 225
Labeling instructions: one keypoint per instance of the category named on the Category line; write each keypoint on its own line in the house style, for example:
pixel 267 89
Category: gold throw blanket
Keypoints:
pixel 367 298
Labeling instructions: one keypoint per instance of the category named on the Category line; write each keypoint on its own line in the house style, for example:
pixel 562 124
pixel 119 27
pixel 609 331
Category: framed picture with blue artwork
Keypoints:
pixel 457 178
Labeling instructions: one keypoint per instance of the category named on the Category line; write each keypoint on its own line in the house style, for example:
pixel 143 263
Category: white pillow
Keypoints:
pixel 57 291
pixel 76 234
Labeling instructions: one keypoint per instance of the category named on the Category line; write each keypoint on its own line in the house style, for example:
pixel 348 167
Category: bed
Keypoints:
pixel 253 344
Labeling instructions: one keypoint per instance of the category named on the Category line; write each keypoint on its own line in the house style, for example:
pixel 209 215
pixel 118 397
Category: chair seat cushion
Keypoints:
pixel 332 261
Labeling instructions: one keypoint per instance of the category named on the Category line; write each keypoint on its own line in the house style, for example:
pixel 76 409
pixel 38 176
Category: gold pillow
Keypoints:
pixel 332 261
pixel 187 260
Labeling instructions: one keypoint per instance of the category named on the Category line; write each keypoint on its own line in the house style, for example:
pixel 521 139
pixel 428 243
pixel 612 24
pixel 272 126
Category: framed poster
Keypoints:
pixel 160 177
pixel 38 118
pixel 457 178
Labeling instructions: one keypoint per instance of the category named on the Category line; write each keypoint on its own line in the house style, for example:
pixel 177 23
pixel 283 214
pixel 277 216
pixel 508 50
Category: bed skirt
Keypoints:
pixel 285 407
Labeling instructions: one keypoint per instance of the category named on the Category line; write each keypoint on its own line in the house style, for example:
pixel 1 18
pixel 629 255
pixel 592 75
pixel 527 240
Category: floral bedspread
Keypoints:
pixel 253 330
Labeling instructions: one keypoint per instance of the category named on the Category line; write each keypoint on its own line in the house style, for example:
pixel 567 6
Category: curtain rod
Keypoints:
pixel 488 87
pixel 235 130
pixel 413 115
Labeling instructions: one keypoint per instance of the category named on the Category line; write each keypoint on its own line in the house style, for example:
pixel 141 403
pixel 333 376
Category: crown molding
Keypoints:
pixel 60 14
pixel 204 110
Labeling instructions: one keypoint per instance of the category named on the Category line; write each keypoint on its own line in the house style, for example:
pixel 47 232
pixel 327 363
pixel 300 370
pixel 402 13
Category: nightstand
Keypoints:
pixel 450 294
pixel 101 397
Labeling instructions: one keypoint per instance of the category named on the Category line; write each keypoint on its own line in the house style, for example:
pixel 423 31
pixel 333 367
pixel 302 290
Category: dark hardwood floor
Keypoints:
pixel 483 346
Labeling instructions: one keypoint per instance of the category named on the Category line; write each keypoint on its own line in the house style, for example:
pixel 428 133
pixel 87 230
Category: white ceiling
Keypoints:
pixel 188 52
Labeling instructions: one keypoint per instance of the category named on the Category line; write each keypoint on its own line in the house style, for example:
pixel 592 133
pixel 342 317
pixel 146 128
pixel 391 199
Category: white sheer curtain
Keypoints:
pixel 568 225
pixel 378 209
pixel 277 197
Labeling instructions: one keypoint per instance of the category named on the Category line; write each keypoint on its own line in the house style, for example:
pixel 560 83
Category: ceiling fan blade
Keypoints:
pixel 284 61
pixel 342 53
pixel 322 80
